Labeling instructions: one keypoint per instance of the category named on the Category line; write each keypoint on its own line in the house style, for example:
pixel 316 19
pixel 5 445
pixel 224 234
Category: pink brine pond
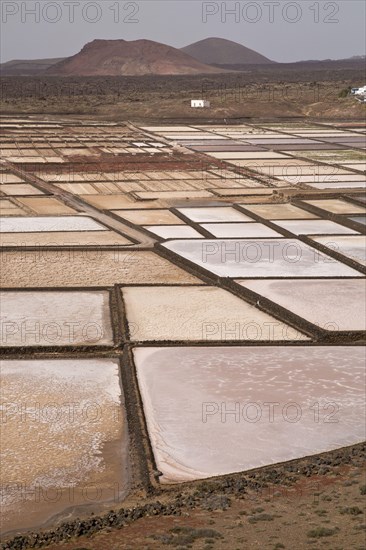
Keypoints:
pixel 215 410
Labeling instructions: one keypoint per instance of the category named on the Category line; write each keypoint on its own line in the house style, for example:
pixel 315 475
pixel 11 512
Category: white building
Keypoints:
pixel 359 91
pixel 201 103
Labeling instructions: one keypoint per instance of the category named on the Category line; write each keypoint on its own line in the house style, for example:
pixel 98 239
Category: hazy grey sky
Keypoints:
pixel 281 30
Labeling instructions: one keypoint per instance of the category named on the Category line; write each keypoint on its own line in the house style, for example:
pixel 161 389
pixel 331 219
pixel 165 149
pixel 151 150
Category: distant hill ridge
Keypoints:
pixel 27 67
pixel 221 52
pixel 146 57
pixel 137 57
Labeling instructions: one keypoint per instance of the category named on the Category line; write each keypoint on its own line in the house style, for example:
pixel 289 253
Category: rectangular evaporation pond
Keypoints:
pixel 245 230
pixel 10 178
pixel 359 197
pixel 74 438
pixel 353 246
pixel 15 189
pixel 64 238
pixel 43 318
pixel 52 223
pixel 34 160
pixel 337 206
pixel 288 162
pixel 338 185
pixel 214 214
pixel 189 135
pixel 86 268
pixel 222 149
pixel 78 188
pixel 352 142
pixel 58 178
pixel 331 177
pixel 76 151
pixel 189 395
pixel 240 191
pixel 46 205
pixel 12 212
pixel 279 211
pixel 110 202
pixel 216 141
pixel 310 170
pixel 174 231
pixel 169 129
pixel 149 217
pixel 7 204
pixel 8 208
pixel 289 173
pixel 199 313
pixel 314 227
pixel 242 258
pixel 248 155
pixel 238 183
pixel 360 166
pixel 282 142
pixel 291 147
pixel 333 305
pixel 342 155
pixel 152 195
pixel 212 139
pixel 358 219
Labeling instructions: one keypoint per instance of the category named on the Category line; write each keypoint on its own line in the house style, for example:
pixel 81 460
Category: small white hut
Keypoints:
pixel 200 103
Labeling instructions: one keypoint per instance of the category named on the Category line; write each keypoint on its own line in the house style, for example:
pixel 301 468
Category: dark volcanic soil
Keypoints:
pixel 266 91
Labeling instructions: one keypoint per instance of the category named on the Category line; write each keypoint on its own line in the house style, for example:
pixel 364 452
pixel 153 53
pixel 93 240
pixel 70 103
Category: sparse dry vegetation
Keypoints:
pixel 268 92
